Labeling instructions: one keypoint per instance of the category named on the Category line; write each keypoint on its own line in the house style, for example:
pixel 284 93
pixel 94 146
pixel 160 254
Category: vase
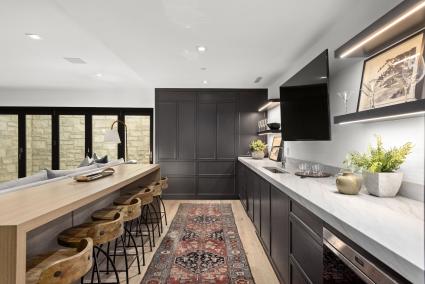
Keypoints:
pixel 258 155
pixel 383 184
pixel 348 183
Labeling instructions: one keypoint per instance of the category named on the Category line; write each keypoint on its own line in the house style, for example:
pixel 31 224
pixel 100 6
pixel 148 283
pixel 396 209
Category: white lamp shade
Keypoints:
pixel 112 136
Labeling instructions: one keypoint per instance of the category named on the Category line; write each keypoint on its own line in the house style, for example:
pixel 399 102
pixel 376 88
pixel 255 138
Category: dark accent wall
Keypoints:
pixel 199 135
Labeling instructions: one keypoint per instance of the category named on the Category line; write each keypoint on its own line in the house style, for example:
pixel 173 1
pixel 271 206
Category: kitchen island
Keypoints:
pixel 390 229
pixel 31 218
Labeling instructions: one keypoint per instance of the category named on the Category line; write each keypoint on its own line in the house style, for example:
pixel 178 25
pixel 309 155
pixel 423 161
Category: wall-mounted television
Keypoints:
pixel 305 103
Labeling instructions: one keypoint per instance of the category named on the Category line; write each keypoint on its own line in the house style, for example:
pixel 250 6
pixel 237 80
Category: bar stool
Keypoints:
pixel 102 232
pixel 63 266
pixel 147 208
pixel 130 208
pixel 164 185
pixel 156 188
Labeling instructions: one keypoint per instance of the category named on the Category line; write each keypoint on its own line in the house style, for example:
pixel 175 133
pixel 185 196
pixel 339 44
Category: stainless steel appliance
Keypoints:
pixel 343 264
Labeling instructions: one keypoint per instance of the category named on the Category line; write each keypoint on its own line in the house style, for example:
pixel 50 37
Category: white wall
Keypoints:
pixel 137 98
pixel 346 75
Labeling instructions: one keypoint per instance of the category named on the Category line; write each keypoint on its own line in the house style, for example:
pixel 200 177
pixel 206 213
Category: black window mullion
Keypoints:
pixel 121 132
pixel 89 134
pixel 55 141
pixel 22 147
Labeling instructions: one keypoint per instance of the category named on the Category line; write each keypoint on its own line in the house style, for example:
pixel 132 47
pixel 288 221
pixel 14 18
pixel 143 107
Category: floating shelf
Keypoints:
pixel 410 109
pixel 272 103
pixel 402 21
pixel 266 132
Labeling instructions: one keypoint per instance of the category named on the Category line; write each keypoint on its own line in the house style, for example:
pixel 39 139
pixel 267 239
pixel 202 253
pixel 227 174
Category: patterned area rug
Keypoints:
pixel 201 246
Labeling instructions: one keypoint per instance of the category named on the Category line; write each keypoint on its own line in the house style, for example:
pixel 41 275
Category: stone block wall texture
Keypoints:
pixel 39 143
pixel 138 135
pixel 8 147
pixel 101 123
pixel 71 141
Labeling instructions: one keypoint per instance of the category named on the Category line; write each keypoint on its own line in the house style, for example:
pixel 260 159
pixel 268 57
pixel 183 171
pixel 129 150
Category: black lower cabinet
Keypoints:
pixel 279 209
pixel 256 199
pixel 265 214
pixel 250 193
pixel 296 274
pixel 241 184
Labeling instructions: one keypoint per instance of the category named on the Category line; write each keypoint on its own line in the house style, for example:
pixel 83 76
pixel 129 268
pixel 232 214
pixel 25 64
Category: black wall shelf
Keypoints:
pixel 408 26
pixel 410 109
pixel 270 131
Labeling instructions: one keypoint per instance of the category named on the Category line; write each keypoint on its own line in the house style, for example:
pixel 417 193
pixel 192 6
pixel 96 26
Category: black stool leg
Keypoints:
pixel 143 217
pixel 165 211
pixel 159 214
pixel 137 251
pixel 152 223
pixel 157 219
pixel 108 259
pixel 125 259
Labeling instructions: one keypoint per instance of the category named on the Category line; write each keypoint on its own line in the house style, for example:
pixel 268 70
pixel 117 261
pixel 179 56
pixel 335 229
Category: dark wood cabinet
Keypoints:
pixel 306 242
pixel 265 213
pixel 199 133
pixel 279 207
pixel 296 274
pixel 241 184
pixel 250 193
pixel 256 200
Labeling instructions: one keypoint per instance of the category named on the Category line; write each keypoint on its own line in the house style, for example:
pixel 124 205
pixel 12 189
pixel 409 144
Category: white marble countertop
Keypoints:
pixel 391 229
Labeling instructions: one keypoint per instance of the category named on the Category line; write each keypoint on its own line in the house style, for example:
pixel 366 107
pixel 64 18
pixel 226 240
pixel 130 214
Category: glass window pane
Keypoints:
pixel 71 140
pixel 39 143
pixel 101 123
pixel 9 147
pixel 138 128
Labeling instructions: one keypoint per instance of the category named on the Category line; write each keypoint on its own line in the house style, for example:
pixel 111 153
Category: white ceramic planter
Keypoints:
pixel 383 184
pixel 258 155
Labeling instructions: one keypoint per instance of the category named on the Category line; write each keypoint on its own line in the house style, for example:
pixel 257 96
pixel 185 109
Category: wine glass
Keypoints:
pixel 369 89
pixel 345 96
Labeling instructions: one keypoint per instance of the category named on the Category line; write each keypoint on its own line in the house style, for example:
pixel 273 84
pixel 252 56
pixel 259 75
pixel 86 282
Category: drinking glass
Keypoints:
pixel 317 169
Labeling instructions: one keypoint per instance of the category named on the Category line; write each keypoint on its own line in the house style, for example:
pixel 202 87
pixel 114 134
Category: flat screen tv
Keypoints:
pixel 305 103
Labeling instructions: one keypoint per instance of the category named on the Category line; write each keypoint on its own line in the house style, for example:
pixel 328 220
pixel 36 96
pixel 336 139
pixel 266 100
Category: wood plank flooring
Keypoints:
pixel 261 268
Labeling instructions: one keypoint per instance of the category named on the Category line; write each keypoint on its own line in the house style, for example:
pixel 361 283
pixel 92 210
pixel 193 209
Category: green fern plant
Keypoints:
pixel 257 145
pixel 379 160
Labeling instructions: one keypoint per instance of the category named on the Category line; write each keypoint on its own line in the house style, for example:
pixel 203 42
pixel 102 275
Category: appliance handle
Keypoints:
pixel 370 273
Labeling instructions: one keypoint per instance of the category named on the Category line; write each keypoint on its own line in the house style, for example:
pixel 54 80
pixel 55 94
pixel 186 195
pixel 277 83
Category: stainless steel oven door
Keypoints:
pixel 342 264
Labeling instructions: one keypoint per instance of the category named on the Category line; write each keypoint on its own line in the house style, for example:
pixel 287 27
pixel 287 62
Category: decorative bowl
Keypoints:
pixel 274 125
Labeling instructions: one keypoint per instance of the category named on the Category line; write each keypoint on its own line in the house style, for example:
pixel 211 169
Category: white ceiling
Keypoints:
pixel 152 43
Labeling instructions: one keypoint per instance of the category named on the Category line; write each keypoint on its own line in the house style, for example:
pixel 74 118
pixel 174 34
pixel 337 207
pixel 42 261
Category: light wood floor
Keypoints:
pixel 261 268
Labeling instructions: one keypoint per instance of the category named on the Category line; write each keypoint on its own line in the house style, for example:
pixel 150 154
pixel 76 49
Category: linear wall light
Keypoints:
pixel 415 9
pixel 383 117
pixel 265 106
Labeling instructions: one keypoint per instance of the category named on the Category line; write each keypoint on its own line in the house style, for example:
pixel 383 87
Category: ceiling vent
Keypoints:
pixel 258 79
pixel 74 60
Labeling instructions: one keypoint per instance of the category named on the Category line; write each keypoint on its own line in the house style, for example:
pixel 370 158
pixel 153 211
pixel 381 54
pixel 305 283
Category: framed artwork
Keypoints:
pixel 275 152
pixel 394 76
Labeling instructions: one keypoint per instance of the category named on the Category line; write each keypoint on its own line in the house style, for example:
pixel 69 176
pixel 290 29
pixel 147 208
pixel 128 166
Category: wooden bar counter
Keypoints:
pixel 28 214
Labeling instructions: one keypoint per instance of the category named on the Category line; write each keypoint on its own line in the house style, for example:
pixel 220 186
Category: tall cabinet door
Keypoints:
pixel 176 141
pixel 207 130
pixel 226 130
pixel 186 135
pixel 166 133
pixel 280 233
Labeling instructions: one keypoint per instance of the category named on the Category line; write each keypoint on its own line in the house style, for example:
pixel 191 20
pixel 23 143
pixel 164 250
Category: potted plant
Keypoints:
pixel 379 167
pixel 257 149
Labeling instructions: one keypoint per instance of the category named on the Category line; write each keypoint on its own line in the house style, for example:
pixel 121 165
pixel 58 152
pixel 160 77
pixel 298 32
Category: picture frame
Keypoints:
pixel 275 151
pixel 387 76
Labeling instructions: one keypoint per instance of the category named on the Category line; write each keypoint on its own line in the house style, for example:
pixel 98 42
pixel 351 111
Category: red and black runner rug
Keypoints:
pixel 201 246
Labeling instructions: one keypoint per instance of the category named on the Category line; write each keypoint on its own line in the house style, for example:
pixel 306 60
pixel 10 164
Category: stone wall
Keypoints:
pixel 8 147
pixel 39 143
pixel 71 140
pixel 138 128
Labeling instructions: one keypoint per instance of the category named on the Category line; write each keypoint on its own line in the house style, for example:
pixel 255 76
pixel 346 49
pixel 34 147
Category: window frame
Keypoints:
pixel 88 112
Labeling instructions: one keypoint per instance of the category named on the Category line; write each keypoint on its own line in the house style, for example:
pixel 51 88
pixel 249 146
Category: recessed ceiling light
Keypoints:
pixel 188 27
pixel 99 75
pixel 74 60
pixel 34 36
pixel 258 79
pixel 205 82
pixel 201 48
pixel 203 68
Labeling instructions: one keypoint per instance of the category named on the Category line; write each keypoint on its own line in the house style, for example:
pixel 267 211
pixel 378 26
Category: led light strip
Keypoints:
pixel 383 117
pixel 384 29
pixel 265 106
